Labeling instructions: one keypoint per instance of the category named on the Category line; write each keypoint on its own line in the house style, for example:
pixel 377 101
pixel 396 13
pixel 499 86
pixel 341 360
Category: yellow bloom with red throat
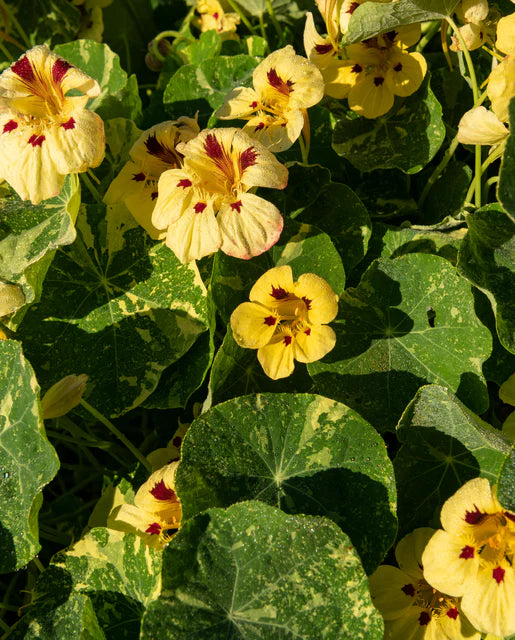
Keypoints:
pixel 206 205
pixel 285 84
pixel 411 608
pixel 156 512
pixel 45 133
pixel 213 16
pixel 286 320
pixel 152 154
pixel 473 557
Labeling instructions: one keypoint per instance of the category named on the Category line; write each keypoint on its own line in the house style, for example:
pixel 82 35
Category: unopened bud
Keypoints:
pixel 63 396
pixel 473 35
pixel 472 11
pixel 11 298
pixel 153 62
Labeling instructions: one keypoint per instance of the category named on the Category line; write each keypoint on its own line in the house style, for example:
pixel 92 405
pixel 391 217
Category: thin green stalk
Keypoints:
pixel 116 432
pixel 3 625
pixel 494 155
pixel 428 36
pixel 91 187
pixel 5 52
pixel 262 26
pixel 243 17
pixel 439 169
pixel 167 34
pixel 475 93
pixel 39 565
pixel 17 25
pixel 275 21
pixel 8 607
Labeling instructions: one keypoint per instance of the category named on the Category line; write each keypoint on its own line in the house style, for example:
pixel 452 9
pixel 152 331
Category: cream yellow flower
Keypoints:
pixel 156 512
pixel 213 16
pixel 501 88
pixel 45 133
pixel 206 205
pixel 481 126
pixel 285 84
pixel 473 557
pixel 505 40
pixel 411 608
pixel 286 320
pixel 153 153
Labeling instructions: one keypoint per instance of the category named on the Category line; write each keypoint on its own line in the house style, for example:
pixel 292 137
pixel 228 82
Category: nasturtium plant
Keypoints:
pixel 263 250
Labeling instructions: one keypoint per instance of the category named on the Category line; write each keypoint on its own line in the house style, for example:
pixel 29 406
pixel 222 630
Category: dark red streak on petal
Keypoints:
pixel 184 183
pixel 398 67
pixel 199 207
pixel 278 83
pixel 154 529
pixel 59 69
pixel 474 517
pixel 287 340
pixel 357 68
pixel 11 125
pixel 378 81
pixel 408 589
pixel 139 177
pixel 307 331
pixel 236 206
pixel 24 69
pixel 36 141
pixel 452 613
pixel 248 158
pixel 69 124
pixel 467 553
pixel 323 48
pixel 213 147
pixel 154 195
pixel 498 574
pixel 259 126
pixel 270 321
pixel 279 293
pixel 162 492
pixel 424 619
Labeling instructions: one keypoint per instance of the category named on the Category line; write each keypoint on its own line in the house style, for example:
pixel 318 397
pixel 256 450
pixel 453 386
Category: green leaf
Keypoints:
pixel 444 444
pixel 118 307
pixel 210 81
pixel 207 46
pixel 47 21
pixel 29 233
pixel 487 259
pixel 371 20
pixel 304 184
pixel 405 138
pixel 256 46
pixel 304 247
pixel 254 572
pixel 301 453
pixel 119 95
pixel 119 573
pixel 506 185
pixel 386 346
pixel 27 460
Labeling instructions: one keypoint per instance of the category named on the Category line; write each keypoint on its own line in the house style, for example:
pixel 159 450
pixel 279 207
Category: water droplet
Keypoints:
pixel 352 459
pixel 6 475
pixel 368 459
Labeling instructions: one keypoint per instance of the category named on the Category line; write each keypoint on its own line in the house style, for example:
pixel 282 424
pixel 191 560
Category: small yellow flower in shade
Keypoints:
pixel 501 88
pixel 481 126
pixel 156 513
pixel 286 320
pixel 46 133
pixel 63 396
pixel 411 608
pixel 205 205
pixel 285 84
pixel 505 41
pixel 213 16
pixel 473 557
pixel 153 153
pixel 11 298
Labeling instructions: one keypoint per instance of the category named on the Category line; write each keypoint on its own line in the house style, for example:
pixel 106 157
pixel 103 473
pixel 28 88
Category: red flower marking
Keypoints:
pixel 452 613
pixel 213 148
pixel 307 302
pixel 199 207
pixel 184 183
pixel 59 69
pixel 215 15
pixel 139 177
pixel 474 517
pixel 287 340
pixel 236 206
pixel 398 67
pixel 498 574
pixel 278 293
pixel 270 321
pixel 378 81
pixel 253 105
pixel 10 126
pixel 424 618
pixel 24 69
pixel 161 151
pixel 467 552
pixel 307 331
pixel 177 442
pixel 154 529
pixel 357 68
pixel 35 141
pixel 278 83
pixel 162 492
pixel 69 124
pixel 510 516
pixel 408 589
pixel 353 7
pixel 154 195
pixel 323 48
pixel 247 158
pixel 259 126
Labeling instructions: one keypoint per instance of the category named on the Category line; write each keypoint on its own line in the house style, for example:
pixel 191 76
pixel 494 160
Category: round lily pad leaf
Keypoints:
pixel 300 452
pixel 252 572
pixel 27 460
pixel 444 444
pixel 116 306
pixel 409 322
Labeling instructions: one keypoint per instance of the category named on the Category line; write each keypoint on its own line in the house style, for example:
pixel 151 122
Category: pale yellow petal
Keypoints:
pixel 249 225
pixel 340 76
pixel 175 190
pixel 501 88
pixel 11 298
pixel 408 626
pixel 408 551
pixel 323 301
pixel 390 589
pixel 239 103
pixel 266 288
pixel 313 343
pixel 276 357
pixel 276 133
pixel 505 41
pixel 371 96
pixel 406 72
pixel 253 325
pixel 481 126
pixel 318 49
pixel 476 494
pixel 196 233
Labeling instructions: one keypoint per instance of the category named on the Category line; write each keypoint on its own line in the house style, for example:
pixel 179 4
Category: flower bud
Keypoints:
pixel 63 396
pixel 472 11
pixel 11 298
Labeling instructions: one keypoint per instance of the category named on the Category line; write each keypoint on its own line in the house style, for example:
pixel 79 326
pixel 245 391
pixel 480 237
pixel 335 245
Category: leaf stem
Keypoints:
pixel 17 26
pixel 91 187
pixel 494 155
pixel 116 432
pixel 262 26
pixel 439 169
pixel 428 36
pixel 275 22
pixel 37 563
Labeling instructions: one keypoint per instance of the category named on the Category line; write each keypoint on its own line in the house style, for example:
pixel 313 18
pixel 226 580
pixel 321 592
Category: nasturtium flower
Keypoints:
pixel 206 205
pixel 473 556
pixel 505 40
pixel 501 88
pixel 285 84
pixel 156 513
pixel 153 153
pixel 481 126
pixel 411 608
pixel 46 133
pixel 286 320
pixel 63 396
pixel 213 16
